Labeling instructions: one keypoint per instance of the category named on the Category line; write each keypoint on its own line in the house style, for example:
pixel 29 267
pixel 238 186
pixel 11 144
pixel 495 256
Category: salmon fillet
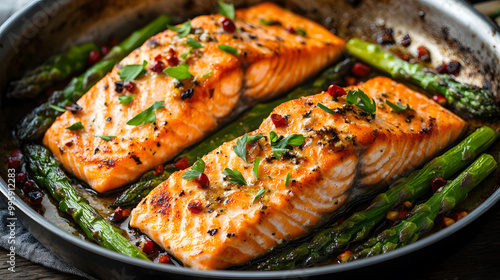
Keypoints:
pixel 344 156
pixel 270 60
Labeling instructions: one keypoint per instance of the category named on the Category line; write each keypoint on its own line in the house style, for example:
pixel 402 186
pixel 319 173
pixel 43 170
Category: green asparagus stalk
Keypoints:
pixel 470 98
pixel 55 69
pixel 358 226
pixel 249 121
pixel 48 174
pixel 34 125
pixel 422 217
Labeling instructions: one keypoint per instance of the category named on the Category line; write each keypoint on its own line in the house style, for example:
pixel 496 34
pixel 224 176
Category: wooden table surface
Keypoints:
pixel 472 253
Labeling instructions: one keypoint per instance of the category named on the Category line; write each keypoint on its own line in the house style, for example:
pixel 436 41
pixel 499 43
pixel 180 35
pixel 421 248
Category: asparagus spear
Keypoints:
pixel 422 217
pixel 34 125
pixel 358 226
pixel 47 173
pixel 55 69
pixel 467 97
pixel 249 121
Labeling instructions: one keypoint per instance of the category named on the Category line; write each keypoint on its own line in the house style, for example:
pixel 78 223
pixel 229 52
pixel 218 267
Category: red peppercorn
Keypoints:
pixel 163 258
pixel 290 29
pixel 120 213
pixel 16 153
pixel 147 246
pixel 158 57
pixel 14 162
pixel 28 186
pixel 130 86
pixel 336 91
pixel 442 69
pixel 157 67
pixel 441 100
pixel 158 169
pixel 423 54
pixel 21 177
pixel 278 120
pixel 360 70
pixel 172 60
pixel 202 181
pixel 437 183
pixel 227 25
pixel 182 164
pixel 36 197
pixel 94 56
pixel 195 206
pixel 105 50
pixel 69 144
pixel 404 57
pixel 454 67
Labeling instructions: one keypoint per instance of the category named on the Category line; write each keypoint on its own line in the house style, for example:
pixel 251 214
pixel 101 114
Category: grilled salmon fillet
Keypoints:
pixel 344 155
pixel 261 62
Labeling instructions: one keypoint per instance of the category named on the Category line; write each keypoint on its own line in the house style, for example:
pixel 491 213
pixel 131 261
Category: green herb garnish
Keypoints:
pixel 326 109
pixel 226 9
pixel 241 145
pixel 253 138
pixel 256 167
pixel 180 72
pixel 194 44
pixel 361 100
pixel 57 108
pixel 398 107
pixel 269 22
pixel 106 138
pixel 300 31
pixel 287 179
pixel 259 194
pixel 75 126
pixel 197 169
pixel 130 72
pixel 280 147
pixel 208 74
pixel 183 30
pixel 184 55
pixel 228 49
pixel 126 99
pixel 147 115
pixel 235 176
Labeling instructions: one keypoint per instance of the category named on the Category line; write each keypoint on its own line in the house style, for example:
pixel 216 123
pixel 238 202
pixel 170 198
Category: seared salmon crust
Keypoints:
pixel 345 154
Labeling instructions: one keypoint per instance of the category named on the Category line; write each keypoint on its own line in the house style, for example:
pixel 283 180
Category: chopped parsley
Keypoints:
pixel 324 108
pixel 300 31
pixel 183 30
pixel 197 169
pixel 287 179
pixel 57 108
pixel 280 147
pixel 193 43
pixel 184 55
pixel 147 115
pixel 398 107
pixel 207 74
pixel 226 9
pixel 228 49
pixel 180 72
pixel 130 72
pixel 75 126
pixel 126 99
pixel 235 176
pixel 256 167
pixel 269 22
pixel 361 100
pixel 241 145
pixel 106 138
pixel 259 194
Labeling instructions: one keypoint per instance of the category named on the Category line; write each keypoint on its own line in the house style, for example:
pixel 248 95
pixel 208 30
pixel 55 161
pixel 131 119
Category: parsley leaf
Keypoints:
pixel 398 107
pixel 361 100
pixel 259 194
pixel 180 72
pixel 196 170
pixel 182 30
pixel 256 167
pixel 57 108
pixel 147 115
pixel 241 147
pixel 280 147
pixel 106 138
pixel 253 138
pixel 287 179
pixel 126 99
pixel 235 176
pixel 300 31
pixel 128 73
pixel 269 22
pixel 184 55
pixel 75 126
pixel 226 9
pixel 326 109
pixel 194 44
pixel 228 49
pixel 208 74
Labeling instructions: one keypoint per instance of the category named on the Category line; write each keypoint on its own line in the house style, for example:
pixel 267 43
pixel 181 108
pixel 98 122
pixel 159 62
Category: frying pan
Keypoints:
pixel 451 29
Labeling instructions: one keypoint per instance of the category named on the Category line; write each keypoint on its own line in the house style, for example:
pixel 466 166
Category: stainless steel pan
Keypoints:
pixel 450 28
